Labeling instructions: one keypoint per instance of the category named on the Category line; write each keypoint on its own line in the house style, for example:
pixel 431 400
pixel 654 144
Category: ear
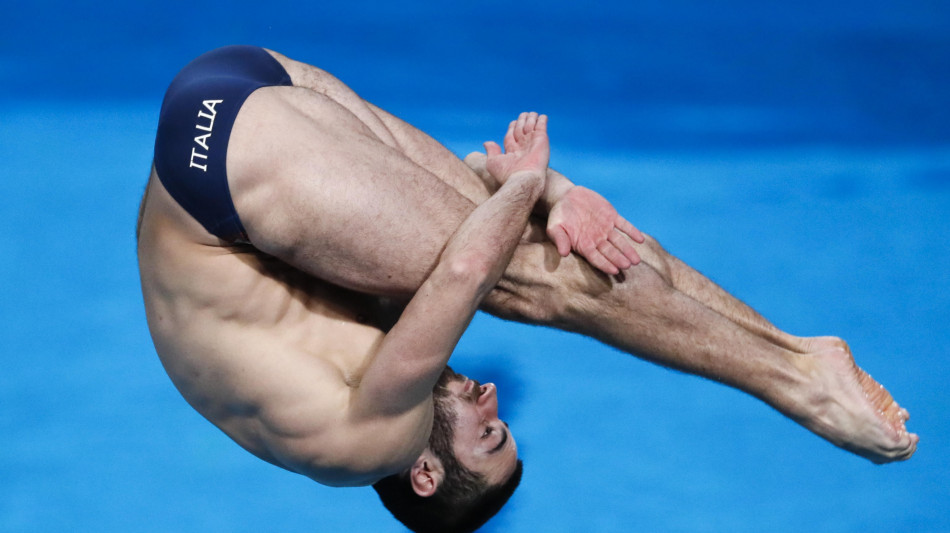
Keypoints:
pixel 426 474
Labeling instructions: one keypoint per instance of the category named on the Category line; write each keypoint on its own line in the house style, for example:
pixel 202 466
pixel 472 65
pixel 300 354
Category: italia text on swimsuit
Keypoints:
pixel 202 140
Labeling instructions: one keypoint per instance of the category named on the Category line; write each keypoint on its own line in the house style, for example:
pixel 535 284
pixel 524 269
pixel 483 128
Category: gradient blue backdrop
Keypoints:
pixel 796 152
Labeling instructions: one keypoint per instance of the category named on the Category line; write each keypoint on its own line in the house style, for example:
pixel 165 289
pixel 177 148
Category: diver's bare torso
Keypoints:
pixel 267 351
pixel 229 322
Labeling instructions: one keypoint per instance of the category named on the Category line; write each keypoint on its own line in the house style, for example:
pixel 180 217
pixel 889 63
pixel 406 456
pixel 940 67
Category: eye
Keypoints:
pixel 487 433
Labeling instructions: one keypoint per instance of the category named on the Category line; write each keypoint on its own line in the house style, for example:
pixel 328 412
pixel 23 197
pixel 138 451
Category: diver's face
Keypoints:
pixel 482 442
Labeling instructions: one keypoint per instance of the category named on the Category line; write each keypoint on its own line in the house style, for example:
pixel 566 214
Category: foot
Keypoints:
pixel 849 408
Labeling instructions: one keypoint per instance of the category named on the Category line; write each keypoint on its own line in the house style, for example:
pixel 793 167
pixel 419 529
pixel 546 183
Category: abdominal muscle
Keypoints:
pixel 264 352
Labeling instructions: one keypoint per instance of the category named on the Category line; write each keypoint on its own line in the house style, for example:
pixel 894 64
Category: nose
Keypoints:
pixel 487 401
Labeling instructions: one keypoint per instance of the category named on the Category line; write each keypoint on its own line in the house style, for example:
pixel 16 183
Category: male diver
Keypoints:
pixel 308 262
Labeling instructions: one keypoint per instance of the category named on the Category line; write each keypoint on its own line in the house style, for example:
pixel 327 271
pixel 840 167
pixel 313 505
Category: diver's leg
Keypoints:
pixel 319 188
pixel 690 282
pixel 343 190
pixel 697 286
pixel 817 385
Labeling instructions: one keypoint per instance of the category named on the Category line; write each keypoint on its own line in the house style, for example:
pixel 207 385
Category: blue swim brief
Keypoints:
pixel 194 126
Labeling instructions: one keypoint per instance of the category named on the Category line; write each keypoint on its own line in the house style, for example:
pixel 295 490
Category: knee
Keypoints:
pixel 542 288
pixel 655 256
pixel 538 286
pixel 476 161
pixel 570 298
pixel 535 303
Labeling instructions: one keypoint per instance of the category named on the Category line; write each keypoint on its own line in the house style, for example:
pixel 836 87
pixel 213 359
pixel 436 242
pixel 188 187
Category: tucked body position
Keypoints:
pixel 309 262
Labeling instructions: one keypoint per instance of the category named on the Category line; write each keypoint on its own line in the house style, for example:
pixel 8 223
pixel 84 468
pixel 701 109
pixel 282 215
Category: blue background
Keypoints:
pixel 798 153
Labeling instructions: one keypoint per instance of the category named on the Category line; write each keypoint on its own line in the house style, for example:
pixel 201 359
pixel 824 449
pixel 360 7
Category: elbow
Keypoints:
pixel 471 269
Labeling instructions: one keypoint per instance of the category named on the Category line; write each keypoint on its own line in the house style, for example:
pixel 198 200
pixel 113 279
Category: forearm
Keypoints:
pixel 490 234
pixel 418 347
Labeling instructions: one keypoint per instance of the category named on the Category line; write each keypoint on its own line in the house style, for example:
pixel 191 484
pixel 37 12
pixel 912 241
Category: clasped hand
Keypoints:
pixel 580 220
pixel 585 222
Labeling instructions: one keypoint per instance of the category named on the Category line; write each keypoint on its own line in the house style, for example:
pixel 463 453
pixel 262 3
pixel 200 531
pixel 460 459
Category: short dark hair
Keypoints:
pixel 449 509
pixel 464 500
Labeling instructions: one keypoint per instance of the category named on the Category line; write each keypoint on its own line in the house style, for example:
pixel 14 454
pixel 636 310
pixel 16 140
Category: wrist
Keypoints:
pixel 555 187
pixel 531 181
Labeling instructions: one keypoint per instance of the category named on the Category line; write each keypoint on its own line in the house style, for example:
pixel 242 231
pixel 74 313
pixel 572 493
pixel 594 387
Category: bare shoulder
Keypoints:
pixel 355 450
pixel 297 412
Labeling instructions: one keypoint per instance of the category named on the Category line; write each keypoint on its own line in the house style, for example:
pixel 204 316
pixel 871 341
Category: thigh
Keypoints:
pixel 417 146
pixel 431 155
pixel 317 187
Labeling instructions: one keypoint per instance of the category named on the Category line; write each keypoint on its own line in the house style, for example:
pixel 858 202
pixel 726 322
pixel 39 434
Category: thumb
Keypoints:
pixel 560 238
pixel 492 148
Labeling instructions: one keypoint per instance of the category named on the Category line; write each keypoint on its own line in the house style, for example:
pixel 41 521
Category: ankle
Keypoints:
pixel 794 389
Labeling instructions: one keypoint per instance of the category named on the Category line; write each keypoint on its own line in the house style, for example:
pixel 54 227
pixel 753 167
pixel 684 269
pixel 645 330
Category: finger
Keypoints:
pixel 542 124
pixel 492 149
pixel 519 127
pixel 600 262
pixel 530 123
pixel 561 239
pixel 623 244
pixel 613 255
pixel 623 225
pixel 510 136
